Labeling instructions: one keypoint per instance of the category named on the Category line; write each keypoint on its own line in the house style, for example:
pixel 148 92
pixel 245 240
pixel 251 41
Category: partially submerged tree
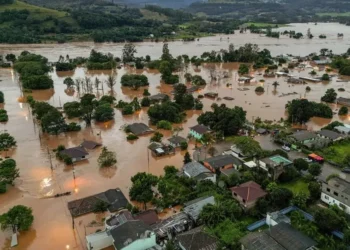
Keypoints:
pixel 141 189
pixel 107 158
pixel 18 218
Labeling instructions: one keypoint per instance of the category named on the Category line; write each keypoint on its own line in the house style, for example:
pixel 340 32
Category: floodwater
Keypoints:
pixel 279 46
pixel 52 228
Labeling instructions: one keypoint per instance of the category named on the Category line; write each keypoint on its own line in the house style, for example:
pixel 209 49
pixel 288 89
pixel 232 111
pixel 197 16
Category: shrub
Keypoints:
pixel 145 102
pixel 341 89
pixel 2 99
pixel 183 145
pixel 260 89
pixel 132 137
pixel 164 125
pixel 73 127
pixel 3 115
pixel 146 93
pixel 343 111
pixel 308 88
pixel 128 110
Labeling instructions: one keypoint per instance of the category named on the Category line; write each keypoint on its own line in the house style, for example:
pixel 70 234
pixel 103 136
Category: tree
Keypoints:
pixel 19 218
pixel 7 142
pixel 325 77
pixel 314 190
pixel 300 164
pixel 315 169
pixel 328 220
pixel 104 112
pixel 129 51
pixel 2 99
pixel 68 82
pixel 8 171
pixel 275 84
pixel 259 89
pixel 100 207
pixel 243 69
pixel 343 111
pixel 330 96
pixel 72 109
pixel 346 238
pixel 145 102
pixel 166 56
pixel 300 200
pixel 212 215
pixel 248 146
pixel 88 104
pixel 168 111
pixel 187 158
pixel 111 81
pixel 164 125
pixel 157 137
pixel 183 145
pixel 53 122
pixel 280 198
pixel 107 158
pixel 141 189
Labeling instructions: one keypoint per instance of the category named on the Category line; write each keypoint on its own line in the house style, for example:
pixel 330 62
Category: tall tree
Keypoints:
pixel 141 189
pixel 111 81
pixel 7 142
pixel 129 51
pixel 19 218
pixel 8 171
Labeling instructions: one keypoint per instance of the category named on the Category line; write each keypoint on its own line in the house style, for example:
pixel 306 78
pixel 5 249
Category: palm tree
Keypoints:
pixel 275 84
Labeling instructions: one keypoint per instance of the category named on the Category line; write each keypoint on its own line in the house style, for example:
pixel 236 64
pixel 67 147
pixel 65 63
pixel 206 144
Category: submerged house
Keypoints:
pixel 294 80
pixel 158 98
pixel 159 149
pixel 198 131
pixel 139 129
pixel 343 101
pixel 76 154
pixel 90 144
pixel 220 162
pixel 176 141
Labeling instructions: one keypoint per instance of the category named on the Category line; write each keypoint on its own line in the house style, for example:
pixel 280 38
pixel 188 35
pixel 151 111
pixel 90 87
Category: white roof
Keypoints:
pixel 250 164
pixel 159 150
pixel 344 129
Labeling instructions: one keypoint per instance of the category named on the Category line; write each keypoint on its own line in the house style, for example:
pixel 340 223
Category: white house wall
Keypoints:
pixel 331 201
pixel 98 241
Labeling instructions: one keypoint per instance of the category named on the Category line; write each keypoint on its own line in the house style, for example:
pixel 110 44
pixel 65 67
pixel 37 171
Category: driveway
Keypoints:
pixel 267 143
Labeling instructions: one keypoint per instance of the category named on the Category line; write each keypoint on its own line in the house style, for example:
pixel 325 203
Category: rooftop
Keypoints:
pixel 149 217
pixel 276 160
pixel 223 160
pixel 177 221
pixel 303 135
pixel 196 239
pixel 194 207
pixel 340 184
pixel 261 131
pixel 200 129
pixel 230 171
pixel 249 191
pixel 129 232
pixel 158 97
pixel 114 197
pixel 194 169
pixel 90 144
pixel 119 219
pixel 344 101
pixel 177 139
pixel 342 129
pixel 76 152
pixel 260 241
pixel 139 129
pixel 329 134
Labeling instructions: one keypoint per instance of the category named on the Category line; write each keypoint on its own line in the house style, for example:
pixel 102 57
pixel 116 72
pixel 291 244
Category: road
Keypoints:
pixel 327 169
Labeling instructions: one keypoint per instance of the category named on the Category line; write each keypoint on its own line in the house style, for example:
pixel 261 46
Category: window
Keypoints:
pixel 326 197
pixel 328 190
pixel 335 193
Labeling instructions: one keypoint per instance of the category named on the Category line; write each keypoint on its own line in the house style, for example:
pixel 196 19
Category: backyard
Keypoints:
pixel 338 153
pixel 297 186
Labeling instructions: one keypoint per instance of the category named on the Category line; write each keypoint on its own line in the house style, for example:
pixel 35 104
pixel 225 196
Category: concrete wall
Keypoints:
pixel 98 241
pixel 332 201
pixel 142 244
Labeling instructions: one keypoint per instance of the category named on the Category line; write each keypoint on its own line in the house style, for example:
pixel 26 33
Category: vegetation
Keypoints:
pixel 3 115
pixel 166 111
pixel 8 174
pixel 157 137
pixel 164 125
pixel 342 111
pixel 141 189
pixel 99 61
pixel 330 96
pixel 243 69
pixel 100 207
pixel 259 89
pixel 7 142
pixel 18 218
pixel 134 81
pixel 338 153
pixel 107 158
pixel 2 99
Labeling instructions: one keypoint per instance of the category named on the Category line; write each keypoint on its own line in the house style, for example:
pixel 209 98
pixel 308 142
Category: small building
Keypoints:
pixel 323 62
pixel 330 135
pixel 176 141
pixel 337 192
pixel 309 79
pixel 133 235
pixel 262 131
pixel 343 101
pixel 197 171
pixel 90 144
pixel 274 165
pixel 247 194
pixel 274 218
pixel 294 80
pixel 159 149
pixel 343 129
pixel 77 153
pixel 158 97
pixel 244 79
pixel 212 95
pixel 139 129
pixel 173 225
pixel 279 237
pixel 303 136
pixel 217 163
pixel 196 239
pixel 113 197
pixel 229 171
pixel 198 131
pixel 194 208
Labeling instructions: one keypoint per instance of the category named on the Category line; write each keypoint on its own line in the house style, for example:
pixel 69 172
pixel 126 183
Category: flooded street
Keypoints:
pixel 52 228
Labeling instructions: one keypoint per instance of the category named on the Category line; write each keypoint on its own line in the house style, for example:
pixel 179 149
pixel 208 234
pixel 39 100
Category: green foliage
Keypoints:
pixel 325 77
pixel 141 189
pixel 300 164
pixel 128 110
pixel 100 61
pixel 223 119
pixel 187 158
pixel 243 69
pixel 69 82
pixel 332 125
pixel 301 110
pixel 134 81
pixel 164 125
pixel 259 89
pixel 330 96
pixel 248 145
pixel 300 200
pixel 72 109
pixel 2 99
pixel 37 82
pixel 168 111
pixel 146 93
pixel 129 51
pixel 104 112
pixel 183 145
pixel 343 111
pixel 182 98
pixel 7 142
pixel 231 180
pixel 18 217
pixel 107 158
pixel 315 169
pixel 100 207
pixel 314 190
pixel 73 127
pixel 308 88
pixel 3 115
pixel 198 80
pixel 65 66
pixel 157 137
pixel 107 99
pixel 8 171
pixel 145 102
pixel 132 137
pixel 328 220
pixel 53 122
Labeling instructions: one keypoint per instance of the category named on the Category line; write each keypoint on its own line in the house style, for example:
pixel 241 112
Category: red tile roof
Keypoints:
pixel 249 191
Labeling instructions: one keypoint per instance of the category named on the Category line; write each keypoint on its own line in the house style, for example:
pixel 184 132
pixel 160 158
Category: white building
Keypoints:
pixel 337 192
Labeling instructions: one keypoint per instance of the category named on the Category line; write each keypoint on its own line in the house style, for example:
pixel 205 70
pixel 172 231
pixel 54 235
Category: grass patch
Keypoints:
pixel 298 186
pixel 334 14
pixel 265 25
pixel 147 14
pixel 337 152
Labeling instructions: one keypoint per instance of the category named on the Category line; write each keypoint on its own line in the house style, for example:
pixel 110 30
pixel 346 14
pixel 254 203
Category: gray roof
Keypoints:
pixel 177 139
pixel 129 232
pixel 76 152
pixel 280 237
pixel 303 135
pixel 194 207
pixel 195 168
pixel 200 129
pixel 289 237
pixel 139 128
pixel 158 97
pixel 344 101
pixel 261 131
pixel 230 171
pixel 90 144
pixel 196 239
pixel 119 219
pixel 329 134
pixel 340 184
pixel 223 160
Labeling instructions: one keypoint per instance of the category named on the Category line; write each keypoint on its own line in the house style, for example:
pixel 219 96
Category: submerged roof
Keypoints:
pixel 90 144
pixel 303 135
pixel 196 239
pixel 223 160
pixel 329 134
pixel 194 169
pixel 76 152
pixel 177 139
pixel 200 129
pixel 139 128
pixel 194 207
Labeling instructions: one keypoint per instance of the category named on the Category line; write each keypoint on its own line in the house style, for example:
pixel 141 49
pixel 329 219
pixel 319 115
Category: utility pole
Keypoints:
pixel 49 154
pixel 148 159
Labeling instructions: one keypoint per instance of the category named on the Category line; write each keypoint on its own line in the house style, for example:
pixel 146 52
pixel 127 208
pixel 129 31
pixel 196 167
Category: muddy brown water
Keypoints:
pixel 52 228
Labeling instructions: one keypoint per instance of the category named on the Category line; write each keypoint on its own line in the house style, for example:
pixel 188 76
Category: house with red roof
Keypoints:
pixel 247 194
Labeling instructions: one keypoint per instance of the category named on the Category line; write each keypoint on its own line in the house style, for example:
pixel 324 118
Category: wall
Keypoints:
pixel 331 201
pixel 195 134
pixel 142 244
pixel 98 241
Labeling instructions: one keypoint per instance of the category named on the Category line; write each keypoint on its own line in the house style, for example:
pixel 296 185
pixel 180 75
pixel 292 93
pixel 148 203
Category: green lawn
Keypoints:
pixel 334 14
pixel 298 186
pixel 337 152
